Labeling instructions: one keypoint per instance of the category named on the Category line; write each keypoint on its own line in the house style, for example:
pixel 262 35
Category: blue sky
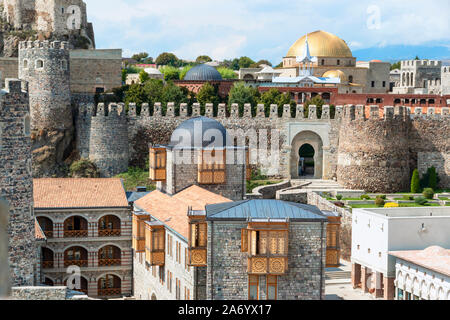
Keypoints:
pixel 265 29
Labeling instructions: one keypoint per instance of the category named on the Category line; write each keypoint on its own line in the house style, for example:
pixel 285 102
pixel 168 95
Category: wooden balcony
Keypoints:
pixel 75 233
pixel 198 257
pixel 79 263
pixel 263 265
pixel 111 292
pixel 47 264
pixel 109 233
pixel 155 258
pixel 109 262
pixel 139 244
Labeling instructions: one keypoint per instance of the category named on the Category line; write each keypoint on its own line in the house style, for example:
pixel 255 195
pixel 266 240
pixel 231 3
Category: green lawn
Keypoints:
pixel 136 177
pixel 401 205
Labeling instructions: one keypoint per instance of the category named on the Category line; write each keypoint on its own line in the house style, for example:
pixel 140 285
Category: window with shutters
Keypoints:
pixel 211 167
pixel 154 244
pixel 267 248
pixel 138 230
pixel 158 164
pixel 198 233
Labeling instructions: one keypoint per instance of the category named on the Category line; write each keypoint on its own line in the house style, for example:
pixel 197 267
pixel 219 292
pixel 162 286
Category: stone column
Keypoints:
pixel 364 279
pixel 356 275
pixel 389 288
pixel 379 291
pixel 4 267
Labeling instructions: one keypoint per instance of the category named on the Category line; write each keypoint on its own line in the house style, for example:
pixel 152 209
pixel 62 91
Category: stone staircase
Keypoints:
pixel 338 275
pixel 317 185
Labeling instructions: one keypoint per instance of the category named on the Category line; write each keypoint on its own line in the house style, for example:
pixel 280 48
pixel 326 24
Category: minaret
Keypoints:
pixel 306 61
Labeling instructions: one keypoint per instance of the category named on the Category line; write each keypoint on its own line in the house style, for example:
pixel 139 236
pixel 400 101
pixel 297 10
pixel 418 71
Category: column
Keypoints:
pixel 365 279
pixel 379 290
pixel 356 275
pixel 92 287
pixel 58 230
pixel 93 259
pixel 389 288
pixel 93 229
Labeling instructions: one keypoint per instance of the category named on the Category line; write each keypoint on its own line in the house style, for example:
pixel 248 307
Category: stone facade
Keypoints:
pixel 54 266
pixel 415 75
pixel 4 266
pixel 227 277
pixel 45 293
pixel 16 185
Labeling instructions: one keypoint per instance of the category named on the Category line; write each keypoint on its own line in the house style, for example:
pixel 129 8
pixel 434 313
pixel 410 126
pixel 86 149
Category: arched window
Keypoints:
pixel 109 256
pixel 350 79
pixel 109 285
pixel 339 62
pixel 47 257
pixel 26 126
pixel 109 226
pixel 39 64
pixel 76 256
pixel 46 225
pixel 25 64
pixel 75 227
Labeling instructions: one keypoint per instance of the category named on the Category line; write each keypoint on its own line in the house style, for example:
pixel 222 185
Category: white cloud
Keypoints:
pixel 260 28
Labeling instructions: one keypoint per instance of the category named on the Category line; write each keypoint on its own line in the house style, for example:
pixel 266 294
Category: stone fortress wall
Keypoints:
pixel 16 181
pixel 362 147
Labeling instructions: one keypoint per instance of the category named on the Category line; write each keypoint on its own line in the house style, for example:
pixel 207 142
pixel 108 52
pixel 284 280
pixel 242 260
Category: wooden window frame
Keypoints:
pixel 248 169
pixel 158 164
pixel 212 168
pixel 275 284
pixel 253 283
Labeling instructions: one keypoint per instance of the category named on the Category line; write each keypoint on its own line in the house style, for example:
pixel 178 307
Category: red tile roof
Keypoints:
pixel 39 234
pixel 433 258
pixel 51 193
pixel 172 210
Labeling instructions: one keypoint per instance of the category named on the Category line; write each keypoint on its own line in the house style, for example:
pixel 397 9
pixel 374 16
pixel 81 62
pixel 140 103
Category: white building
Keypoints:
pixel 423 274
pixel 376 232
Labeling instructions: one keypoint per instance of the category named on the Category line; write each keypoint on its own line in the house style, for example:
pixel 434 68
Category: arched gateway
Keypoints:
pixel 306 156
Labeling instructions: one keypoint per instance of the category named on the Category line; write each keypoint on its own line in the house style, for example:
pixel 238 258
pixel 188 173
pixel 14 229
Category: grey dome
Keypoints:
pixel 203 72
pixel 208 132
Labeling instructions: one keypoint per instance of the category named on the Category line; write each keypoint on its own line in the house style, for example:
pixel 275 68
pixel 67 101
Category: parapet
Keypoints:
pixel 15 86
pixel 55 45
pixel 113 110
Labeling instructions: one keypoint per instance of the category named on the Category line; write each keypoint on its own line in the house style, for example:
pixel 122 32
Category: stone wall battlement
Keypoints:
pixel 48 45
pixel 15 86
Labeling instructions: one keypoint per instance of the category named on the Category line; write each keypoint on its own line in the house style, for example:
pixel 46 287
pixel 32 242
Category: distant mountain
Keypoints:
pixel 400 52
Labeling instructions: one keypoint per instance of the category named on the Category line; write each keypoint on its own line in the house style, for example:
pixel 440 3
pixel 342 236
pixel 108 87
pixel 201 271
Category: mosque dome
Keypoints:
pixel 199 131
pixel 203 72
pixel 335 74
pixel 321 44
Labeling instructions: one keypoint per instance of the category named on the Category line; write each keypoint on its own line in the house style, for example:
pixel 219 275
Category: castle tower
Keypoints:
pixel 45 65
pixel 374 153
pixel 108 142
pixel 16 183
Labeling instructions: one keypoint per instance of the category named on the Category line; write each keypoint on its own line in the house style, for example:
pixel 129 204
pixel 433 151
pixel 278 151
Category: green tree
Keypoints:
pixel 242 94
pixel 140 56
pixel 153 91
pixel 135 94
pixel 261 62
pixel 417 58
pixel 245 62
pixel 124 75
pixel 432 178
pixel 173 93
pixel 84 168
pixel 274 96
pixel 396 65
pixel 415 182
pixel 170 73
pixel 184 71
pixel 279 65
pixel 167 59
pixel 227 73
pixel 316 101
pixel 203 59
pixel 143 76
pixel 207 94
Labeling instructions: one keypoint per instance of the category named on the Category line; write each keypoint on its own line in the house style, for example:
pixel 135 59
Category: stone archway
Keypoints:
pixel 305 141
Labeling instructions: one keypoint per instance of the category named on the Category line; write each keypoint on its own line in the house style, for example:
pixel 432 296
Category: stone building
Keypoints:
pixel 58 18
pixel 87 223
pixel 422 274
pixel 416 74
pixel 160 241
pixel 5 285
pixel 376 233
pixel 16 185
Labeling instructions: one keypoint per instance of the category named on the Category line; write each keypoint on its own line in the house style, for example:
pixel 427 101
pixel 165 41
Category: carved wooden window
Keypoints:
pixel 138 229
pixel 158 164
pixel 244 240
pixel 253 287
pixel 154 245
pixel 272 287
pixel 268 243
pixel 211 167
pixel 199 235
pixel 197 242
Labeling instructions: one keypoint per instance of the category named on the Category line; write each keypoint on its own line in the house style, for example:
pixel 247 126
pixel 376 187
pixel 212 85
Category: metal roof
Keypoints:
pixel 133 196
pixel 203 72
pixel 264 209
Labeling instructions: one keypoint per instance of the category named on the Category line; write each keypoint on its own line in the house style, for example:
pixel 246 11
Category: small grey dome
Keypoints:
pixel 199 132
pixel 203 72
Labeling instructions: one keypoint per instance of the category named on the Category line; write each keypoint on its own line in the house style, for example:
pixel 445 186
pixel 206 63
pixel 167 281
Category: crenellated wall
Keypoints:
pixel 362 147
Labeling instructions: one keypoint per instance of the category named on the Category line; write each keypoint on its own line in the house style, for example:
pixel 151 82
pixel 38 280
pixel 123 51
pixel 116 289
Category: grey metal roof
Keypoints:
pixel 264 209
pixel 203 72
pixel 186 133
pixel 133 196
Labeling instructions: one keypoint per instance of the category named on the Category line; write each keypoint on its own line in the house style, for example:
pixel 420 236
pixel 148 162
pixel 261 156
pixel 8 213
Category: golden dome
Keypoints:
pixel 321 44
pixel 335 74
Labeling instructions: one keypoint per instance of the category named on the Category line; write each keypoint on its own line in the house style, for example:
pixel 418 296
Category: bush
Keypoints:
pixel 339 197
pixel 391 205
pixel 421 201
pixel 84 168
pixel 379 202
pixel 415 182
pixel 428 193
pixel 382 196
pixel 365 197
pixel 408 198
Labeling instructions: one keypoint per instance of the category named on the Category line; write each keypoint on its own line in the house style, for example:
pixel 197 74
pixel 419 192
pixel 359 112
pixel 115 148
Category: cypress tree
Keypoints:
pixel 415 182
pixel 432 178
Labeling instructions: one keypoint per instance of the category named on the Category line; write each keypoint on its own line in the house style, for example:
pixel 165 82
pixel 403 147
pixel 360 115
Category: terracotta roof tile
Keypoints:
pixel 172 211
pixel 39 234
pixel 78 193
